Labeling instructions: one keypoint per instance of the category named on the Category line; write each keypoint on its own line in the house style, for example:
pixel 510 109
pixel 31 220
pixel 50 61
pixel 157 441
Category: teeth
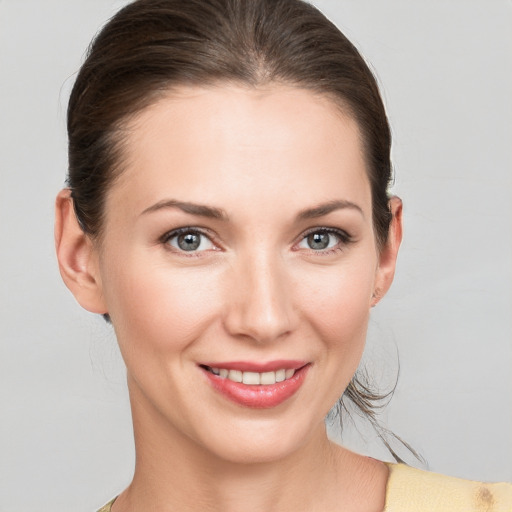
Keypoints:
pixel 280 375
pixel 251 378
pixel 268 378
pixel 235 375
pixel 254 378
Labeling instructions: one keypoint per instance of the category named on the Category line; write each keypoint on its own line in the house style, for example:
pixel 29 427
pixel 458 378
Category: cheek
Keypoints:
pixel 339 298
pixel 337 305
pixel 155 309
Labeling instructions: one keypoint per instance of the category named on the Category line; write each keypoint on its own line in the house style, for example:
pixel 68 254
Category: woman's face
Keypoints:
pixel 238 244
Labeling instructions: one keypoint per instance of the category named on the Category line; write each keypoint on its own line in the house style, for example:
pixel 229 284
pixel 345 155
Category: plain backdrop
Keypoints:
pixel 446 76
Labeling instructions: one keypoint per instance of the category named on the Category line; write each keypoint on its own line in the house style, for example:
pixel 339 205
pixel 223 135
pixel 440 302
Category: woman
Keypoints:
pixel 228 212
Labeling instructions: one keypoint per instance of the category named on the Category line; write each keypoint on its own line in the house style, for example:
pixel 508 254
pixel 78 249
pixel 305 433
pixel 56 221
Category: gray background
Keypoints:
pixel 445 66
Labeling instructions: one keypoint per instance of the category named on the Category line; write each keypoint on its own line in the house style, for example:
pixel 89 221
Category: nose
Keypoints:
pixel 259 300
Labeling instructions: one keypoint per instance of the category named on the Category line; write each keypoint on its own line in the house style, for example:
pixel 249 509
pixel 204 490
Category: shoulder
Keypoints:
pixel 414 490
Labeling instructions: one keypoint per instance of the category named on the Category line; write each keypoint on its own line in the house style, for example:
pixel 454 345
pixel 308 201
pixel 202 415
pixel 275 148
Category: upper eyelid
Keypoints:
pixel 187 229
pixel 326 229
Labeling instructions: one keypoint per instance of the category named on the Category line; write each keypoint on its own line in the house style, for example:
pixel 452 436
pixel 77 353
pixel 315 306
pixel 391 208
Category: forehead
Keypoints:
pixel 227 143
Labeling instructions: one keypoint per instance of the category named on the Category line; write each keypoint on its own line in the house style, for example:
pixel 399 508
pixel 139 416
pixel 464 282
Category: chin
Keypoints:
pixel 261 441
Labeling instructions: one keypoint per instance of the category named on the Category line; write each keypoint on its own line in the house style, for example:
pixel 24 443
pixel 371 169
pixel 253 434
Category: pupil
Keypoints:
pixel 189 242
pixel 318 240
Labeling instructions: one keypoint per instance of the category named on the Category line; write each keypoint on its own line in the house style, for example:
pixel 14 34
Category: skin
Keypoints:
pixel 254 291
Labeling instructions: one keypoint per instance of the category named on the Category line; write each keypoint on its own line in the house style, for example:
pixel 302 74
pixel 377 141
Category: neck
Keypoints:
pixel 173 472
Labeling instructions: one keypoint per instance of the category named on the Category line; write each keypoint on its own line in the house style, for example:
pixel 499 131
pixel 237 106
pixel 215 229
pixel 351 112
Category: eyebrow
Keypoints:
pixel 217 213
pixel 329 207
pixel 192 208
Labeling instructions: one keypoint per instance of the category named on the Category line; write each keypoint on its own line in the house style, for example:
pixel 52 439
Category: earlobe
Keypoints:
pixel 389 252
pixel 77 257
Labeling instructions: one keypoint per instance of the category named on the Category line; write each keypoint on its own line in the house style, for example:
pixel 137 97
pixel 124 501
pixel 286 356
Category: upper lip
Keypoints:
pixel 260 367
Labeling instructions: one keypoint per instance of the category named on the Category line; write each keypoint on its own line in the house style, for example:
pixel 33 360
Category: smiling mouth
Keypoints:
pixel 252 378
pixel 257 385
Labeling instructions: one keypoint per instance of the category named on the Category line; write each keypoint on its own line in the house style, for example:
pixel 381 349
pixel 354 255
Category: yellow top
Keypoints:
pixel 414 490
pixel 106 508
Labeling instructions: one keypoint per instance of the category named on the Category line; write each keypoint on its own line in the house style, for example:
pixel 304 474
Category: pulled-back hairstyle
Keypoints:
pixel 152 46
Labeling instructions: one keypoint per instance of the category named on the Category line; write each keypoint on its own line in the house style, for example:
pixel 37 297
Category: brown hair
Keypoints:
pixel 152 46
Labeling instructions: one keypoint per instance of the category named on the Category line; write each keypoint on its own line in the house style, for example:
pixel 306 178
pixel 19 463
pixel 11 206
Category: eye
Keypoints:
pixel 324 239
pixel 188 240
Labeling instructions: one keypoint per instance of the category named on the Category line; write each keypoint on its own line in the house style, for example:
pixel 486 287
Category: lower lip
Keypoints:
pixel 258 397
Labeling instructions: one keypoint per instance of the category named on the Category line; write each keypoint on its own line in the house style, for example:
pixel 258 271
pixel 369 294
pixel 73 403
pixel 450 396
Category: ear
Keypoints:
pixel 77 256
pixel 389 252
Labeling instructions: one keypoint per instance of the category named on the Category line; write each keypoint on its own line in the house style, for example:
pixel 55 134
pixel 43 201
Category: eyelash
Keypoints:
pixel 165 239
pixel 343 237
